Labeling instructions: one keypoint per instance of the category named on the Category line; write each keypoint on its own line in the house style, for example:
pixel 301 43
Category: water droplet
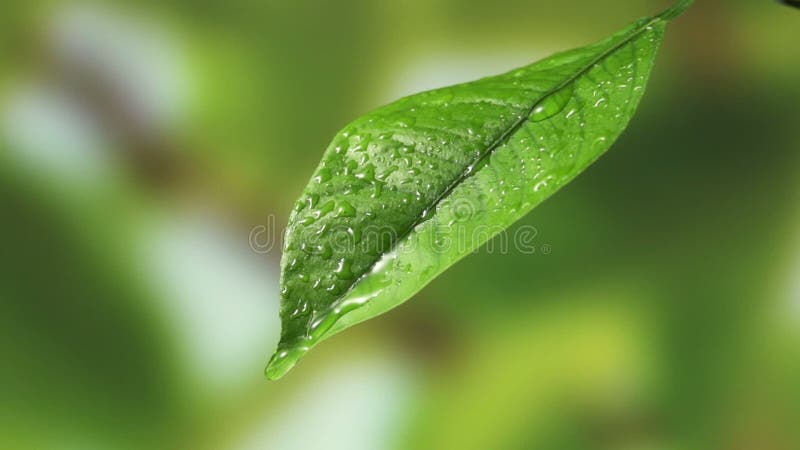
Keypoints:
pixel 342 270
pixel 312 200
pixel 323 250
pixel 368 174
pixel 333 289
pixel 345 209
pixel 323 175
pixel 307 220
pixel 552 104
pixel 350 167
pixel 388 171
pixel 542 184
pixel 407 121
pixel 355 234
pixel 378 189
pixel 324 209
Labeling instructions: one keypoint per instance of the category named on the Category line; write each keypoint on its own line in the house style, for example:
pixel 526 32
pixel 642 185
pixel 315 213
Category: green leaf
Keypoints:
pixel 407 190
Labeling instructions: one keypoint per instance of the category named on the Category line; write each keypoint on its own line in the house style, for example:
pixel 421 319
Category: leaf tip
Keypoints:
pixel 283 360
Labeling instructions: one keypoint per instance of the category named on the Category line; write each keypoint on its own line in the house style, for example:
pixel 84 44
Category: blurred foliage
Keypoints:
pixel 663 315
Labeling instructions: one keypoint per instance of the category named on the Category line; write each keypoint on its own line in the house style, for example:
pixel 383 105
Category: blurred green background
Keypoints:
pixel 150 153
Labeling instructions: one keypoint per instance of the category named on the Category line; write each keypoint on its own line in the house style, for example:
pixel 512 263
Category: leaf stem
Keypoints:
pixel 676 10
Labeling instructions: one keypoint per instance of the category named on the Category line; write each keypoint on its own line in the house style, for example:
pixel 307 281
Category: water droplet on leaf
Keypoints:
pixel 552 104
